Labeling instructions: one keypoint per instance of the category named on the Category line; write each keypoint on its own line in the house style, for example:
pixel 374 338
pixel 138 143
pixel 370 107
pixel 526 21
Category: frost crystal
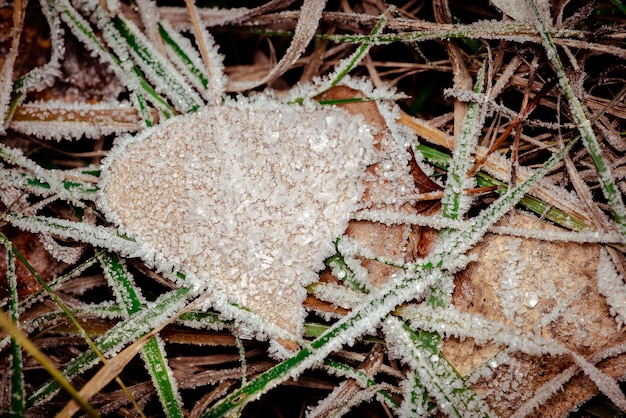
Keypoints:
pixel 244 198
pixel 611 285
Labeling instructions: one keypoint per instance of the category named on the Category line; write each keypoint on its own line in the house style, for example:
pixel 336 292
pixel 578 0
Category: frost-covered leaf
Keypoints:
pixel 518 11
pixel 533 286
pixel 286 182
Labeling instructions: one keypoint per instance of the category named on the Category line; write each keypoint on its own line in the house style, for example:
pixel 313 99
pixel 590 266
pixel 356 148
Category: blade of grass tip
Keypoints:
pixel 611 193
pixel 18 406
pixel 347 64
pixel 45 361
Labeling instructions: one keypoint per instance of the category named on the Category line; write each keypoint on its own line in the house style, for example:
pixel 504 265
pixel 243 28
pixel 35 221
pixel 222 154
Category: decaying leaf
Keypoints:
pixel 244 198
pixel 535 286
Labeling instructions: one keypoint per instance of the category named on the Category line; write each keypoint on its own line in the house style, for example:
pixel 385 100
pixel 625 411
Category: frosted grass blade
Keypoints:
pixel 610 190
pixel 37 187
pixel 42 76
pixel 45 361
pixel 455 202
pixel 521 32
pixel 310 15
pixel 6 73
pixel 453 395
pixel 127 74
pixel 17 375
pixel 347 64
pixel 415 397
pixel 157 69
pixel 541 208
pixel 361 320
pixel 98 236
pixel 126 293
pixel 153 352
pixel 187 58
pixel 43 182
pixel 58 120
pixel 127 331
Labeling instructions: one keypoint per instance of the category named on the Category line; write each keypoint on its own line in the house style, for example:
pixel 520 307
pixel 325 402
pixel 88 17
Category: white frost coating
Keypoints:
pixel 338 295
pixel 611 285
pixel 55 119
pixel 522 13
pixel 244 198
pixel 216 81
pixel 558 235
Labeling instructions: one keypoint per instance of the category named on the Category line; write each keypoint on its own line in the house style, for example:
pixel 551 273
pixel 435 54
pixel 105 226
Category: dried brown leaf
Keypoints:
pixel 535 285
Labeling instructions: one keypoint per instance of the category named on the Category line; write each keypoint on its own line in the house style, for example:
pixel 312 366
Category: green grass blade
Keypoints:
pixel 41 181
pixel 455 201
pixel 157 69
pixel 129 76
pixel 191 64
pixel 162 377
pixel 347 64
pixel 130 298
pixel 609 188
pixel 17 375
pixel 127 331
pixel 454 396
pixel 442 160
pixel 121 282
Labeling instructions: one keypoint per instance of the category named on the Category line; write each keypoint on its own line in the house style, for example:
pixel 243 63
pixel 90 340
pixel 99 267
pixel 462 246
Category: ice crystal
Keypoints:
pixel 612 286
pixel 244 198
pixel 521 12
